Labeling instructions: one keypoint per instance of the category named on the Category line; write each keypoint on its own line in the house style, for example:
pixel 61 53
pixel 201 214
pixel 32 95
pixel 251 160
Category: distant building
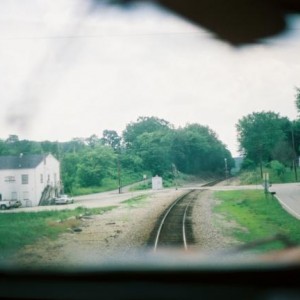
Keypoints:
pixel 31 179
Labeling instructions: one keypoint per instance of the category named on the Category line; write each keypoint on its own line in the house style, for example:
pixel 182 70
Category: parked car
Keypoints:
pixel 6 204
pixel 16 203
pixel 63 199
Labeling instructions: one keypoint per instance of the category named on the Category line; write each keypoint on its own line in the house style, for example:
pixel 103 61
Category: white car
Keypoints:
pixel 6 204
pixel 64 199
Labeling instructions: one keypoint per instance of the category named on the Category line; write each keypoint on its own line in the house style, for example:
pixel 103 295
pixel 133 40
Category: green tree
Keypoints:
pixel 30 147
pixel 13 146
pixel 12 139
pixel 75 145
pixel 155 152
pixel 197 149
pixel 297 101
pixel 92 141
pixel 143 125
pixel 278 167
pixel 50 147
pixel 95 164
pixel 112 139
pixel 259 133
pixel 69 167
pixel 283 152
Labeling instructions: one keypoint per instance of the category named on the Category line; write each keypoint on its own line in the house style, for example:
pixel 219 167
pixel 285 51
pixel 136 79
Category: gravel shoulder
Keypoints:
pixel 211 230
pixel 113 235
pixel 125 231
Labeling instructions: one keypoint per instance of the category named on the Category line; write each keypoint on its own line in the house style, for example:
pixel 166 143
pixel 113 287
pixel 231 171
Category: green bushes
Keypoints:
pixel 278 173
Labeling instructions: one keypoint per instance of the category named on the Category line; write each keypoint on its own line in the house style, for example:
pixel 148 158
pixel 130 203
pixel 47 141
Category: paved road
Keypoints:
pixel 112 198
pixel 289 196
pixel 225 187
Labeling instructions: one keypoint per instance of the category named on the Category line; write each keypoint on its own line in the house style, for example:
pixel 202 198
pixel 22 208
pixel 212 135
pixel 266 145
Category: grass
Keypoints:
pixel 253 177
pixel 141 186
pixel 168 182
pixel 107 185
pixel 25 228
pixel 259 217
pixel 135 201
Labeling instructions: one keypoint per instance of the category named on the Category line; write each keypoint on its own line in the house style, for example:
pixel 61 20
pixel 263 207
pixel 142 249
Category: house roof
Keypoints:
pixel 21 162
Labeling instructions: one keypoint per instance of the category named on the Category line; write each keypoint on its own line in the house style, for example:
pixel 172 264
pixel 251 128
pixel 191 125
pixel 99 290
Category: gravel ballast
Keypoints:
pixel 125 230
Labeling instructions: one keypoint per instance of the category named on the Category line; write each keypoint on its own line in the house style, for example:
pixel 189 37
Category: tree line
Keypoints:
pixel 268 138
pixel 149 146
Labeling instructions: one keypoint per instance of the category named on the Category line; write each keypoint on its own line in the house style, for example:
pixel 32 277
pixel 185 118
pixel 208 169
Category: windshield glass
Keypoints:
pixel 118 116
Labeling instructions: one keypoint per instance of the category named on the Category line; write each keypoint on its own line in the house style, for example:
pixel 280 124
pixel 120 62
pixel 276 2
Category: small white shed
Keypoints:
pixel 157 183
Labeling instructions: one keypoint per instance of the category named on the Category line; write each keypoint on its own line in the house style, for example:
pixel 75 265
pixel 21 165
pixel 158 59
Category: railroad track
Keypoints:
pixel 174 229
pixel 212 183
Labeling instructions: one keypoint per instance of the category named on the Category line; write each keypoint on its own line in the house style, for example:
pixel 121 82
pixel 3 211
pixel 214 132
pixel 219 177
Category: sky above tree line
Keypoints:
pixel 72 69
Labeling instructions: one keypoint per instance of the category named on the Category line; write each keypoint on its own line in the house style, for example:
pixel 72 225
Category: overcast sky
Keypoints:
pixel 72 69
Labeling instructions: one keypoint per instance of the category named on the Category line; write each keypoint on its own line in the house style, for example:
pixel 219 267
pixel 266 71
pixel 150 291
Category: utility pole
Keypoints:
pixel 61 186
pixel 175 174
pixel 226 168
pixel 266 182
pixel 119 174
pixel 295 154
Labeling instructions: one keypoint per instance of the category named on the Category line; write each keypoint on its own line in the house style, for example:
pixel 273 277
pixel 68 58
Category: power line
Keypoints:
pixel 96 36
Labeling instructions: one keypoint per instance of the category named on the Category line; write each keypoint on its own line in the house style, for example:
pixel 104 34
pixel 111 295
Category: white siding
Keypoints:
pixel 10 190
pixel 30 194
pixel 46 169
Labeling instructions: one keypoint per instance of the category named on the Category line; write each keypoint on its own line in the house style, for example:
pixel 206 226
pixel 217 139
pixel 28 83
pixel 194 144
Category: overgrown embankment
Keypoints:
pixel 284 175
pixel 260 217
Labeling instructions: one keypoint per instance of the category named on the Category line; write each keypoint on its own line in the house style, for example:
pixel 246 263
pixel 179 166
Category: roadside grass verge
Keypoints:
pixel 170 181
pixel 141 186
pixel 25 228
pixel 135 201
pixel 253 177
pixel 259 217
pixel 107 185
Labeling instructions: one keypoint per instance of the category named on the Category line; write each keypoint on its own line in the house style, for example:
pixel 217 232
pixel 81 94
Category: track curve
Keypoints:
pixel 174 229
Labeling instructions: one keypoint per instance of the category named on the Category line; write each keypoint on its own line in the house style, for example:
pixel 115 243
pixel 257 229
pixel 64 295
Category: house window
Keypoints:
pixel 42 178
pixel 24 178
pixel 25 196
pixel 14 196
pixel 9 179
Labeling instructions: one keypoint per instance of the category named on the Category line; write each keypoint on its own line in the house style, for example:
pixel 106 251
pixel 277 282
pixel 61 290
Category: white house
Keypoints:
pixel 32 179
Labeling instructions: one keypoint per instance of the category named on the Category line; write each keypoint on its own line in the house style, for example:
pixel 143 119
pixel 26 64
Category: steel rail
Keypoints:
pixel 183 226
pixel 164 218
pixel 211 183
